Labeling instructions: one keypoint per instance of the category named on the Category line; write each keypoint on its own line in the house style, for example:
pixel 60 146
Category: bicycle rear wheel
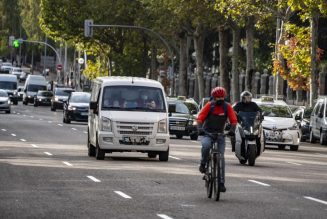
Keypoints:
pixel 216 177
pixel 209 178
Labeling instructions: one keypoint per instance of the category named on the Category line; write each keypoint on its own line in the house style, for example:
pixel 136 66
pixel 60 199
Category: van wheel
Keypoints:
pixel 323 140
pixel 99 153
pixel 152 154
pixel 90 147
pixel 294 147
pixel 163 156
pixel 311 138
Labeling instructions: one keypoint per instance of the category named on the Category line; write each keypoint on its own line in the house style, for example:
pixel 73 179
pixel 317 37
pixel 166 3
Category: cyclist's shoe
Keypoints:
pixel 202 168
pixel 222 187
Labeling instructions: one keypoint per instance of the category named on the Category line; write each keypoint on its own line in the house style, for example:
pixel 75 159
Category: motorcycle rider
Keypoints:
pixel 212 118
pixel 245 105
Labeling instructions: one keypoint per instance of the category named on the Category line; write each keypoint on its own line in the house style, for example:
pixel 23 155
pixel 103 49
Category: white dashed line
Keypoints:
pixel 60 124
pixel 34 146
pixel 123 194
pixel 47 153
pixel 93 178
pixel 260 183
pixel 194 141
pixel 68 164
pixel 176 158
pixel 294 163
pixel 85 132
pixel 22 139
pixel 4 130
pixel 24 115
pixel 316 200
pixel 18 113
pixel 14 112
pixel 319 154
pixel 13 134
pixel 74 129
pixel 32 116
pixel 49 121
pixel 164 216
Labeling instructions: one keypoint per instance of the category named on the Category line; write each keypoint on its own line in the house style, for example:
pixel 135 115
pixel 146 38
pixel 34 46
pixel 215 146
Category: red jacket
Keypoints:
pixel 218 110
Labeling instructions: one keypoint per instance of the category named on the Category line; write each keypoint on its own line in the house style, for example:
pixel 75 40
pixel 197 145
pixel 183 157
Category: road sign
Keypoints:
pixel 11 40
pixel 81 61
pixel 59 66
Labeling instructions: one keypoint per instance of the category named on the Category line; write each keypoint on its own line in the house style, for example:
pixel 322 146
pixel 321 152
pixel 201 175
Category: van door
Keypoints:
pixel 315 119
pixel 320 121
pixel 93 116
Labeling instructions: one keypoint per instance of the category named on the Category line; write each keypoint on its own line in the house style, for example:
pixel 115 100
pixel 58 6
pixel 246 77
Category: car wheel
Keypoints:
pixel 163 156
pixel 194 137
pixel 323 140
pixel 90 147
pixel 53 108
pixel 294 147
pixel 281 147
pixel 36 104
pixel 152 154
pixel 25 102
pixel 99 153
pixel 8 111
pixel 15 102
pixel 311 138
pixel 179 136
pixel 303 139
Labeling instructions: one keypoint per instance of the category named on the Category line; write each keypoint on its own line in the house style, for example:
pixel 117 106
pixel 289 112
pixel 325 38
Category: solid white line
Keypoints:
pixel 194 141
pixel 164 216
pixel 4 130
pixel 315 199
pixel 35 146
pixel 93 179
pixel 13 135
pixel 74 129
pixel 60 124
pixel 47 153
pixel 22 139
pixel 176 158
pixel 294 163
pixel 122 194
pixel 68 164
pixel 260 183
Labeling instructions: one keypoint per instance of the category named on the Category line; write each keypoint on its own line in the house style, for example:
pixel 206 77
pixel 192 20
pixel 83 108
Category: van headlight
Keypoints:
pixel 106 124
pixel 56 99
pixel 294 127
pixel 71 108
pixel 162 126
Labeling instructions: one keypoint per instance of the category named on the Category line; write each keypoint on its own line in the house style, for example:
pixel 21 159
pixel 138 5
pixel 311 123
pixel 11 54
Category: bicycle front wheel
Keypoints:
pixel 209 181
pixel 216 177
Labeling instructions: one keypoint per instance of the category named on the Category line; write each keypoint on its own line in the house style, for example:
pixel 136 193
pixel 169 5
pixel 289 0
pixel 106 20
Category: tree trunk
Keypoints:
pixel 182 66
pixel 153 68
pixel 235 63
pixel 314 70
pixel 198 46
pixel 279 81
pixel 223 59
pixel 249 53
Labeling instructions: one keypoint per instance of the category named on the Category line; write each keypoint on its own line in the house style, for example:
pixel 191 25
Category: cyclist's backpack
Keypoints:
pixel 212 107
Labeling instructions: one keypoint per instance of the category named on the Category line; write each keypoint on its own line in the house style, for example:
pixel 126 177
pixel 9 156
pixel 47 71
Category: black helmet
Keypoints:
pixel 246 97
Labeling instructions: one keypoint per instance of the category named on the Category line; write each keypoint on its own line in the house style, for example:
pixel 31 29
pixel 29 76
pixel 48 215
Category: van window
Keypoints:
pixel 35 87
pixel 317 108
pixel 321 111
pixel 133 98
pixel 8 85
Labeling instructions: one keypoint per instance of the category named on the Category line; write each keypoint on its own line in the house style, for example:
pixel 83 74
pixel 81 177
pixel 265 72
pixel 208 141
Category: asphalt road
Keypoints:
pixel 45 173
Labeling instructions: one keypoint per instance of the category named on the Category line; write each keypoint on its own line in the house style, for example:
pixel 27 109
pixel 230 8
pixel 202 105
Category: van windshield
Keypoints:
pixel 133 98
pixel 8 85
pixel 35 87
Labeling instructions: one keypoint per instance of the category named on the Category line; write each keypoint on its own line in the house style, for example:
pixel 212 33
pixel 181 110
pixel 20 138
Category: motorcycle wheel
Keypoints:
pixel 252 154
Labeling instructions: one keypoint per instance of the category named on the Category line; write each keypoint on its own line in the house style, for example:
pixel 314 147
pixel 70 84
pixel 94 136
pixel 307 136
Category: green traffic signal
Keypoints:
pixel 16 43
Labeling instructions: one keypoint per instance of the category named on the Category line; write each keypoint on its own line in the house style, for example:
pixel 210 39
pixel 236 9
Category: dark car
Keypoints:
pixel 43 97
pixel 76 108
pixel 181 119
pixel 60 95
pixel 302 116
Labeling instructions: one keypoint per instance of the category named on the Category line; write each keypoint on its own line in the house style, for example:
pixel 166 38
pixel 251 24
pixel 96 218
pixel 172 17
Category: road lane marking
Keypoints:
pixel 176 158
pixel 34 146
pixel 18 113
pixel 260 183
pixel 85 132
pixel 22 139
pixel 123 194
pixel 41 119
pixel 319 154
pixel 316 200
pixel 194 141
pixel 49 121
pixel 4 130
pixel 67 163
pixel 47 153
pixel 14 112
pixel 93 179
pixel 294 163
pixel 32 116
pixel 13 134
pixel 74 129
pixel 164 216
pixel 60 124
pixel 24 115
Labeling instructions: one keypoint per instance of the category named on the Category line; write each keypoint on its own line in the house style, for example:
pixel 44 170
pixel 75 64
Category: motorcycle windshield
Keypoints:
pixel 249 119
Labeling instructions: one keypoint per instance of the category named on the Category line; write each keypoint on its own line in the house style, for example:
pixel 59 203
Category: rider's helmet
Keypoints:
pixel 246 97
pixel 218 92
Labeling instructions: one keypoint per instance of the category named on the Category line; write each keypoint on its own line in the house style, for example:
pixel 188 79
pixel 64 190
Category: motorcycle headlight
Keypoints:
pixel 162 126
pixel 71 108
pixel 293 127
pixel 106 124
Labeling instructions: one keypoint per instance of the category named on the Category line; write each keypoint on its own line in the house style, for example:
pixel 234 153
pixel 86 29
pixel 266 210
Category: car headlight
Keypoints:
pixel 106 124
pixel 294 127
pixel 40 99
pixel 8 101
pixel 162 126
pixel 71 108
pixel 190 122
pixel 56 99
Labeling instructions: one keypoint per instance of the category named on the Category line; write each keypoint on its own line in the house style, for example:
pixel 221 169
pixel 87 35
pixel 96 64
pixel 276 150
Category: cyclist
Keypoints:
pixel 245 105
pixel 212 118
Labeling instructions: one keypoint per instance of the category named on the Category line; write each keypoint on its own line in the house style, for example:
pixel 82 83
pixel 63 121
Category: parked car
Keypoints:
pixel 318 122
pixel 76 108
pixel 4 102
pixel 182 116
pixel 5 67
pixel 60 95
pixel 279 126
pixel 24 76
pixel 43 97
pixel 302 116
pixel 16 71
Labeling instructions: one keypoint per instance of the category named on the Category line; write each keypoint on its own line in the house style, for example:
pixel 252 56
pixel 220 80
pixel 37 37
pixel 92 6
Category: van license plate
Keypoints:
pixel 177 128
pixel 135 140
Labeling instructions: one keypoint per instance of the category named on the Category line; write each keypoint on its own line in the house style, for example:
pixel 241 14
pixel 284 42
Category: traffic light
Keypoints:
pixel 88 28
pixel 16 43
pixel 11 40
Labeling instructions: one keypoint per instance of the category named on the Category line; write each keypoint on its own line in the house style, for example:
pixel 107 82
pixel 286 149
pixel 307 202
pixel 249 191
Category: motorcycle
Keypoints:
pixel 249 137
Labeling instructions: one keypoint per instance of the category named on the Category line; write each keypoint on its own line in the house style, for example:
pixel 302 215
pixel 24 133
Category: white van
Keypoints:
pixel 9 84
pixel 128 114
pixel 33 84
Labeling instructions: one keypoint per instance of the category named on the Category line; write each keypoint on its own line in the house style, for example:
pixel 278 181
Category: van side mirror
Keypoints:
pixel 94 106
pixel 193 112
pixel 297 117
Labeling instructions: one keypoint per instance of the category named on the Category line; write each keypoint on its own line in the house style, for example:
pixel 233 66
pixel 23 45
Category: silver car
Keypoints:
pixel 4 102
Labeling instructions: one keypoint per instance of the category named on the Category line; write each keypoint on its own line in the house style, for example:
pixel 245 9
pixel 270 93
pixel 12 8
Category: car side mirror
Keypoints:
pixel 297 117
pixel 193 112
pixel 94 106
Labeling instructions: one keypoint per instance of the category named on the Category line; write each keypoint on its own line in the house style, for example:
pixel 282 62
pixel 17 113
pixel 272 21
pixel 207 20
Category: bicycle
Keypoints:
pixel 213 168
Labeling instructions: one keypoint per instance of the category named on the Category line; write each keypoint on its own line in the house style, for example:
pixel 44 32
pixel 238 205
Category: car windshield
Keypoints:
pixel 63 92
pixel 191 107
pixel 17 70
pixel 80 98
pixel 8 85
pixel 271 110
pixel 3 93
pixel 35 87
pixel 307 112
pixel 180 107
pixel 133 98
pixel 45 93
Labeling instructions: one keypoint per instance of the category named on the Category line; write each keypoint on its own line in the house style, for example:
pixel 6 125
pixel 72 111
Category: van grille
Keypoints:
pixel 177 122
pixel 135 128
